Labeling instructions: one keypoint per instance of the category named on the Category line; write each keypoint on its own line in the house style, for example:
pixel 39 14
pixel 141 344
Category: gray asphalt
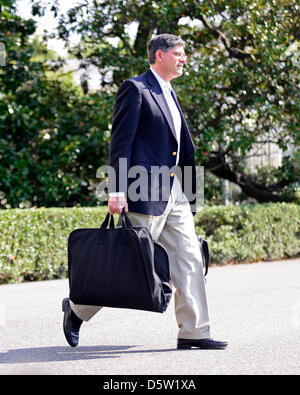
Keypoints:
pixel 255 307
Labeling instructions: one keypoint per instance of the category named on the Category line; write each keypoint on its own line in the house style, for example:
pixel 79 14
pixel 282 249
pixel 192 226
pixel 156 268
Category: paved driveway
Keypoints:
pixel 255 307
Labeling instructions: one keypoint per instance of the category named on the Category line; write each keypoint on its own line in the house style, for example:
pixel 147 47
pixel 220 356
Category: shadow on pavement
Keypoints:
pixel 65 353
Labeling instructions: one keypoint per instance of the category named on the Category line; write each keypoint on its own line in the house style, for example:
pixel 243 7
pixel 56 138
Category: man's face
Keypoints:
pixel 172 62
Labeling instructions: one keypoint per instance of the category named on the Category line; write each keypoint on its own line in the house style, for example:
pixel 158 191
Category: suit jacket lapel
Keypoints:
pixel 159 97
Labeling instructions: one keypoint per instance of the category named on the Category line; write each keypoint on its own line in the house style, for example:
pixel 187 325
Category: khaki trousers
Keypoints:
pixel 175 230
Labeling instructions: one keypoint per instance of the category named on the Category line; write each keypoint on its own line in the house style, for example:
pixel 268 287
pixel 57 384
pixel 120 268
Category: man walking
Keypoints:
pixel 149 130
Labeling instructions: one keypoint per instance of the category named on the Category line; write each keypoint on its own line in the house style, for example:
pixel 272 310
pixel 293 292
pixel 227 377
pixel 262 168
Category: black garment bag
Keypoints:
pixel 204 249
pixel 118 267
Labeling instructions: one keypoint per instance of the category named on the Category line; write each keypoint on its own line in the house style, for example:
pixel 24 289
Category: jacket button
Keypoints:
pixel 174 153
pixel 172 175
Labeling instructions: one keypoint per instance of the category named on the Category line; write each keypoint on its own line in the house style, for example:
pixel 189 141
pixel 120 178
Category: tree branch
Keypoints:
pixel 233 52
pixel 273 193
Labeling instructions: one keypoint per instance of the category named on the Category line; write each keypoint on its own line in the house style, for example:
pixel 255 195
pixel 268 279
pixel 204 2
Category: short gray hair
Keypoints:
pixel 164 42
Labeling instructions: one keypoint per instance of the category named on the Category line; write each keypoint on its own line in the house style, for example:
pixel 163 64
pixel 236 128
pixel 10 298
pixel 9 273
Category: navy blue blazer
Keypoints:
pixel 143 134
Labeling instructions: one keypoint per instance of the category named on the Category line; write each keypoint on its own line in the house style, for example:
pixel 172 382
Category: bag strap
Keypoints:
pixel 125 220
pixel 101 231
pixel 110 219
pixel 105 222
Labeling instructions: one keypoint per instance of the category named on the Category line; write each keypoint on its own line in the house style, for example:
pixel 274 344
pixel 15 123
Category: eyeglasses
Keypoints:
pixel 179 55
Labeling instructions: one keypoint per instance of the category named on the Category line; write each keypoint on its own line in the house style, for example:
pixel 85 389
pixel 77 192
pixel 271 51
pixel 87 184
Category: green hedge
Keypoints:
pixel 34 241
pixel 33 245
pixel 251 233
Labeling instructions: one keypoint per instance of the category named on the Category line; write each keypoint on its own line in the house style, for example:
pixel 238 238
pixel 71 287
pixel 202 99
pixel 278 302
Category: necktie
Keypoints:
pixel 171 100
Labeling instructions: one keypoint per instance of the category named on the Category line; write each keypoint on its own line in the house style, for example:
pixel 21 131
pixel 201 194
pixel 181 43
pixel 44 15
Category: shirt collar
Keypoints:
pixel 163 84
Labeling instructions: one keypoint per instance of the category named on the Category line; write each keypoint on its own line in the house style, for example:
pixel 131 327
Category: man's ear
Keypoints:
pixel 159 56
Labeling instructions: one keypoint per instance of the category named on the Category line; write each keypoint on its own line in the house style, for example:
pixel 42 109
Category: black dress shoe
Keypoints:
pixel 206 344
pixel 71 323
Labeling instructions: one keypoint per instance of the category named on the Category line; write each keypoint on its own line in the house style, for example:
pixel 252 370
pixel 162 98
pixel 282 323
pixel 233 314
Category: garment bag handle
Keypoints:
pixel 105 222
pixel 125 220
pixel 101 233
